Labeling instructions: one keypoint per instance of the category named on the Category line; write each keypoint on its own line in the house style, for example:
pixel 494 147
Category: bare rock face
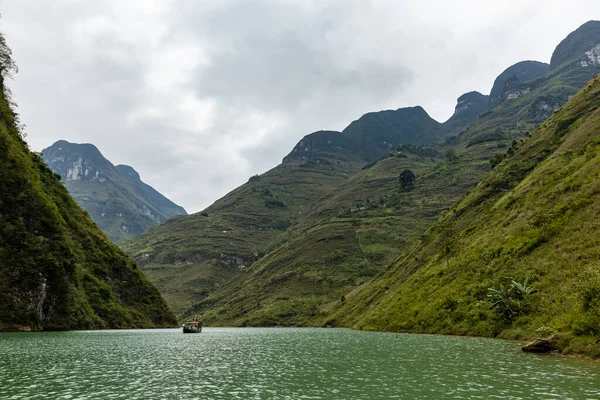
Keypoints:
pixel 114 195
pixel 510 83
pixel 541 345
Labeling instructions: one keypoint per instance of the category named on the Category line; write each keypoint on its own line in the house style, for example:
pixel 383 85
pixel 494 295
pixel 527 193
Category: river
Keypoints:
pixel 282 363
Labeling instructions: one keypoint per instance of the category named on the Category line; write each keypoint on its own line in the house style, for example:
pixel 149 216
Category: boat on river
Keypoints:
pixel 193 326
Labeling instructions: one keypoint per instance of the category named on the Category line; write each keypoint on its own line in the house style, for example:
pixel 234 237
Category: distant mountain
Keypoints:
pixel 468 108
pixel 58 270
pixel 520 72
pixel 371 136
pixel 115 196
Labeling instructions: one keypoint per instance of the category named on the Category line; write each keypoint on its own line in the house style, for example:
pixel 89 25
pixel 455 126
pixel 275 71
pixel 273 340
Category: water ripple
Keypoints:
pixel 282 364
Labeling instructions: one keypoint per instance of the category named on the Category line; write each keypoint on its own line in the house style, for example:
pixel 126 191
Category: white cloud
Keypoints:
pixel 198 96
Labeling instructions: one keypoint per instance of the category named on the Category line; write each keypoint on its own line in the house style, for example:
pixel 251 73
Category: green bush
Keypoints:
pixel 511 299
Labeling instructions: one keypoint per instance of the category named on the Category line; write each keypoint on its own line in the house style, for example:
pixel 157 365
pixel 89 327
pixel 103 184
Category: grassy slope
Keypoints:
pixel 339 244
pixel 535 216
pixel 188 257
pixel 57 269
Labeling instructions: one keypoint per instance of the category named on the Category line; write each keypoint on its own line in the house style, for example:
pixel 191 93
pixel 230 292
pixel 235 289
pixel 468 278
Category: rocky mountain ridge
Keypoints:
pixel 115 196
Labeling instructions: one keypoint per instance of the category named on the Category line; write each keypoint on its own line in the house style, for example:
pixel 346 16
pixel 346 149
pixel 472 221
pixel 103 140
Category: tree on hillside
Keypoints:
pixel 7 65
pixel 446 229
pixel 451 156
pixel 407 180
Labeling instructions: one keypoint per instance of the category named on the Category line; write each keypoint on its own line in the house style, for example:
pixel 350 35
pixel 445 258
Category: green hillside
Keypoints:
pixel 532 220
pixel 189 256
pixel 353 227
pixel 353 232
pixel 58 270
pixel 340 243
pixel 114 196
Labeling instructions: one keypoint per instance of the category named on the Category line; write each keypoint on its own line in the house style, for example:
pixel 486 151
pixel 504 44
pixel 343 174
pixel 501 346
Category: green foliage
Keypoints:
pixel 450 155
pixel 496 135
pixel 497 159
pixel 7 64
pixel 407 179
pixel 274 203
pixel 511 299
pixel 423 151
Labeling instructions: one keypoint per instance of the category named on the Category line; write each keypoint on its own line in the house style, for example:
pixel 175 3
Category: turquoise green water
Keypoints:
pixel 249 363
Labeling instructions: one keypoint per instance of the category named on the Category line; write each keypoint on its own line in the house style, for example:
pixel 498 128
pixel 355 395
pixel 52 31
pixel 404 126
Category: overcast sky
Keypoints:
pixel 198 96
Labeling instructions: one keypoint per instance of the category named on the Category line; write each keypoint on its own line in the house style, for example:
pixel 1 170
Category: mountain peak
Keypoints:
pixel 115 196
pixel 581 48
pixel 468 108
pixel 127 172
pixel 86 149
pixel 75 161
pixel 375 133
pixel 469 100
pixel 520 72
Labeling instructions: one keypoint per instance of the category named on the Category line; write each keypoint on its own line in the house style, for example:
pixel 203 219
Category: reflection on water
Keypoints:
pixel 248 363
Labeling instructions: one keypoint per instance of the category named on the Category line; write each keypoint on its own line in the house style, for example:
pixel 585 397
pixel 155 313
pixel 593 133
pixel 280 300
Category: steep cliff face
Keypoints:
pixel 115 196
pixel 468 108
pixel 57 269
pixel 506 84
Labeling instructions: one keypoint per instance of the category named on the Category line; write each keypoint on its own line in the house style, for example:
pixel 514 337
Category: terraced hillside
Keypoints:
pixel 339 244
pixel 532 220
pixel 189 257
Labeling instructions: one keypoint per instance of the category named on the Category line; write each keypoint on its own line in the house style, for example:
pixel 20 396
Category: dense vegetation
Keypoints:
pixel 531 223
pixel 57 269
pixel 114 196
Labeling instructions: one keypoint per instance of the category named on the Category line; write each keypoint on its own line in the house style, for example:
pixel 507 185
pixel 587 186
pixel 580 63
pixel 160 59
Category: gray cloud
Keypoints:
pixel 198 96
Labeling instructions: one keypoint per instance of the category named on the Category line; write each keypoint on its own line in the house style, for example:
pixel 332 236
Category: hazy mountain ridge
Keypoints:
pixel 115 196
